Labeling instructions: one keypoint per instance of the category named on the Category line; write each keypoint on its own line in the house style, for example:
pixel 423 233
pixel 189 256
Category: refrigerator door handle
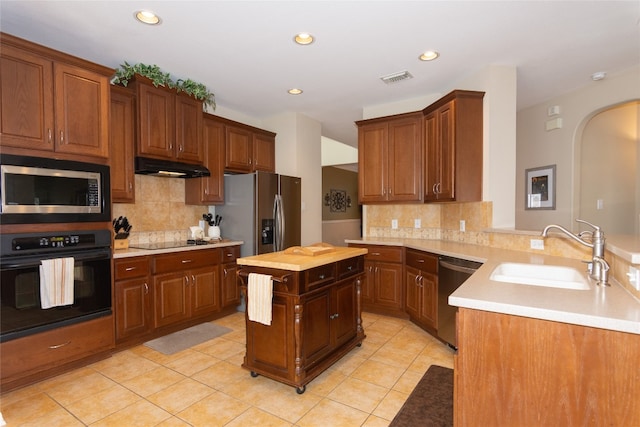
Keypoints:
pixel 278 216
pixel 282 219
pixel 276 228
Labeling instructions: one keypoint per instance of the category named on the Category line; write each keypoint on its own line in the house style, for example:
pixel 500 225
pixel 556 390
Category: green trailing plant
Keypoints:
pixel 126 72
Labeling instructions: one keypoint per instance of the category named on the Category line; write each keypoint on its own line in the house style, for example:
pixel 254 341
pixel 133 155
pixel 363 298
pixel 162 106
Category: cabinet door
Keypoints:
pixel 368 282
pixel 82 111
pixel 372 163
pixel 388 286
pixel 26 100
pixel 188 129
pixel 345 315
pixel 264 153
pixel 238 156
pixel 230 288
pixel 429 309
pixel 413 301
pixel 432 157
pixel 318 312
pixel 122 146
pixel 156 121
pixel 446 136
pixel 205 290
pixel 405 160
pixel 133 307
pixel 171 298
pixel 209 190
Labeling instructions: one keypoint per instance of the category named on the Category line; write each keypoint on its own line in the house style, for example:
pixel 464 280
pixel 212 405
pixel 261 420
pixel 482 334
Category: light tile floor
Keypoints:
pixel 205 385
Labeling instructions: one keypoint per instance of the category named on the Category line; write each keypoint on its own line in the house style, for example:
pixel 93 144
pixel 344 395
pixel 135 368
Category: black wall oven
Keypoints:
pixel 21 256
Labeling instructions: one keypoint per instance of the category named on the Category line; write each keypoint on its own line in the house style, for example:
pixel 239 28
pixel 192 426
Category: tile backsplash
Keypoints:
pixel 159 213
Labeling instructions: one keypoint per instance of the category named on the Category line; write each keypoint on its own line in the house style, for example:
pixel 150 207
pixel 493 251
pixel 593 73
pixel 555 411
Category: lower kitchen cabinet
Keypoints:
pixel 421 278
pixel 316 320
pixel 181 294
pixel 383 290
pixel 133 309
pixel 229 277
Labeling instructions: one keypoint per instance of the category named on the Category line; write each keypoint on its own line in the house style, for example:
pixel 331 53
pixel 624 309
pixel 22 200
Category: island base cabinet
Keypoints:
pixel 310 329
pixel 513 370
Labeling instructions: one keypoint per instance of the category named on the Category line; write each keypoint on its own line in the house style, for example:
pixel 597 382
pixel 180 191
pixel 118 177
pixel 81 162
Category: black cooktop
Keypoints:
pixel 172 245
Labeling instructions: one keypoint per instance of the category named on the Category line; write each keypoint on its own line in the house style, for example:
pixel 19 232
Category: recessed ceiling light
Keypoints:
pixel 598 76
pixel 429 55
pixel 294 91
pixel 147 17
pixel 303 38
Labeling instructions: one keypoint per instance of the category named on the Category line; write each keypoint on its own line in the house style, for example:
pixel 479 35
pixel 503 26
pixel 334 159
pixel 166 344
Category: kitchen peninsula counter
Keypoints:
pixel 612 308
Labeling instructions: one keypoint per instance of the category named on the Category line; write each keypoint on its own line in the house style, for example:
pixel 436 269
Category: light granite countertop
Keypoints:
pixel 133 252
pixel 612 307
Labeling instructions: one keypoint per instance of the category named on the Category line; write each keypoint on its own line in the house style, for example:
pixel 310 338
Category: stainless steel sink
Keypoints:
pixel 552 276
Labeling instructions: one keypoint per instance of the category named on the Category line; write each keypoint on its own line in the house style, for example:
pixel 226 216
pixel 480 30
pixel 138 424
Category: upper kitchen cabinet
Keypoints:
pixel 249 149
pixel 51 101
pixel 122 146
pixel 453 148
pixel 209 190
pixel 169 123
pixel 390 159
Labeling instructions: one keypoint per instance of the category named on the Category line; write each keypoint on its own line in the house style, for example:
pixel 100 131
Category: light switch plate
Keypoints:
pixel 417 223
pixel 394 224
pixel 463 225
pixel 537 244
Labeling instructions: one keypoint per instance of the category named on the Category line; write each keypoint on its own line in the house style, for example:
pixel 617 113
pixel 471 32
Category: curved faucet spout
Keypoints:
pixel 567 232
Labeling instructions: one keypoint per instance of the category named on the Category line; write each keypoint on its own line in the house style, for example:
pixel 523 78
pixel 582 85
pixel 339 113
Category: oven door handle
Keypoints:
pixel 34 260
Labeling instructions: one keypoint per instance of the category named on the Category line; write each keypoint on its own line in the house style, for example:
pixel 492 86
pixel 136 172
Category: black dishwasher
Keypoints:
pixel 452 272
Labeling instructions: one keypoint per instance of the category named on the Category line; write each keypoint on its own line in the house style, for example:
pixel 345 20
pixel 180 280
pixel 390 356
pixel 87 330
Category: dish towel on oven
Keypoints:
pixel 56 282
pixel 259 296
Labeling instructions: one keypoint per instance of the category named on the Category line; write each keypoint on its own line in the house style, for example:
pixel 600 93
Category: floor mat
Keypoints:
pixel 181 340
pixel 430 403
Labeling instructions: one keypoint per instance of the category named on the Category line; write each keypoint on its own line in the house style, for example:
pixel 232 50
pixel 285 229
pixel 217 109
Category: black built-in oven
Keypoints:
pixel 21 256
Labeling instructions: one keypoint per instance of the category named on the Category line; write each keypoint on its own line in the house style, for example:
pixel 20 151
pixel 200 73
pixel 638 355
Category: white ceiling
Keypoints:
pixel 243 50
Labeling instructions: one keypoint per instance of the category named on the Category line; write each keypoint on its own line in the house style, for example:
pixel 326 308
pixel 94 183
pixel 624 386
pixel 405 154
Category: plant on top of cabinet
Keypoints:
pixel 126 72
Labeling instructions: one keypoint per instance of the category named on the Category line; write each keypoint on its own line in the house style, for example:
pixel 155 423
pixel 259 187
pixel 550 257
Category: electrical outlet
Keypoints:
pixel 394 224
pixel 463 225
pixel 417 223
pixel 537 244
pixel 634 277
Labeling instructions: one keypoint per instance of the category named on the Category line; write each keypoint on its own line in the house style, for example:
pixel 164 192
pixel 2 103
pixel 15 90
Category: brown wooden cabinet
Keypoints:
pixel 249 149
pixel 209 190
pixel 382 289
pixel 122 145
pixel 390 159
pixel 453 148
pixel 133 298
pixel 52 101
pixel 512 370
pixel 186 285
pixel 315 321
pixel 169 124
pixel 37 356
pixel 230 295
pixel 421 279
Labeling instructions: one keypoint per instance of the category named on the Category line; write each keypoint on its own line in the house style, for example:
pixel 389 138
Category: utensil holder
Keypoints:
pixel 214 232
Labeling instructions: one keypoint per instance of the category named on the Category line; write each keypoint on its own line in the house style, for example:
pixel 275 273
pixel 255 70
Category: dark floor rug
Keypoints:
pixel 182 340
pixel 430 403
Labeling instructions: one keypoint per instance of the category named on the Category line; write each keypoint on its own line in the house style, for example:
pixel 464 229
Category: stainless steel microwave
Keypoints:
pixel 36 190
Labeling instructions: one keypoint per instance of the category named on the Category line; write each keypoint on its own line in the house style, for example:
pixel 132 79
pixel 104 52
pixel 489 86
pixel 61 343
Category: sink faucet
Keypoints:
pixel 598 268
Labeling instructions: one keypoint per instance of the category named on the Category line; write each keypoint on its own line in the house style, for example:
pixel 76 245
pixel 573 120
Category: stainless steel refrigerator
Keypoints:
pixel 263 210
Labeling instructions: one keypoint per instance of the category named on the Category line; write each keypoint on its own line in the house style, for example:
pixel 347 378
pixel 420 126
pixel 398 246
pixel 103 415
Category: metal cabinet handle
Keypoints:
pixel 229 255
pixel 186 261
pixel 321 276
pixel 53 347
pixel 130 268
pixel 349 268
pixel 130 185
pixel 186 278
pixel 224 270
pixel 146 288
pixel 61 137
pixel 193 279
pixel 50 135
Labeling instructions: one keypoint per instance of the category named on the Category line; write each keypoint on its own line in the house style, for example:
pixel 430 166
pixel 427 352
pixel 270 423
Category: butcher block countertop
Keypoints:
pixel 300 262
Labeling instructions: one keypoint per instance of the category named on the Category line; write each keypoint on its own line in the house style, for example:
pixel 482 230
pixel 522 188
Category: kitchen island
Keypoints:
pixel 315 313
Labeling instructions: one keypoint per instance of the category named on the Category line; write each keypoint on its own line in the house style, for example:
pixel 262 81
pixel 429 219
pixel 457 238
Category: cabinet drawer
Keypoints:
pixel 131 267
pixel 422 261
pixel 230 254
pixel 350 267
pixel 320 276
pixel 383 253
pixel 54 348
pixel 180 261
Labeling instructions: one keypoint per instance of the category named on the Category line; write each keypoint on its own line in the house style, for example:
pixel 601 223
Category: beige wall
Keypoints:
pixel 537 147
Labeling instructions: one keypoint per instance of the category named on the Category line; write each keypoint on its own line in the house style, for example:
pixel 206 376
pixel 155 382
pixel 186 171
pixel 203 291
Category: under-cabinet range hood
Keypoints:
pixel 147 166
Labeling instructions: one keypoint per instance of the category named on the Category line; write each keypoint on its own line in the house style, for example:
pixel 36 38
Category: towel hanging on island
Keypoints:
pixel 56 282
pixel 259 298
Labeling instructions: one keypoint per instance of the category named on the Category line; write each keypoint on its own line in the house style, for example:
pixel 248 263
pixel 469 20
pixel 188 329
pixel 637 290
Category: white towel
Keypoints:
pixel 259 296
pixel 56 282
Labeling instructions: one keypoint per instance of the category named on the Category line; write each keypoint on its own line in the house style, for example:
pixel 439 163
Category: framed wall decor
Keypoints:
pixel 540 188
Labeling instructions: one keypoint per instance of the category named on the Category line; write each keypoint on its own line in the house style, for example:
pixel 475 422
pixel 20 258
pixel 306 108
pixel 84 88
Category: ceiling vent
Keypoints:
pixel 396 77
